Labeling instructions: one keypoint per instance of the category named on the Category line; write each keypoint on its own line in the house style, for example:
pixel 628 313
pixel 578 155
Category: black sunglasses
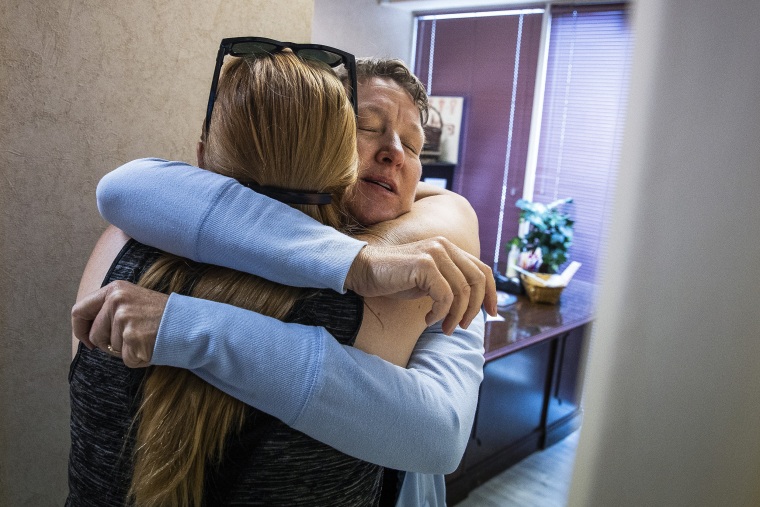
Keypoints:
pixel 259 46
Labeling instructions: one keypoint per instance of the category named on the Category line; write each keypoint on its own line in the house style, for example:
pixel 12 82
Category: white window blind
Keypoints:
pixel 582 126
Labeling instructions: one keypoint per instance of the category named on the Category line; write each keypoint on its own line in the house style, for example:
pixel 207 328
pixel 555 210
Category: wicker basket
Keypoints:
pixel 431 151
pixel 539 294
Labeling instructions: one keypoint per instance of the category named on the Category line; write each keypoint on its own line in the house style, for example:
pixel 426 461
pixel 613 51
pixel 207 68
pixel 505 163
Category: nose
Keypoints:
pixel 391 151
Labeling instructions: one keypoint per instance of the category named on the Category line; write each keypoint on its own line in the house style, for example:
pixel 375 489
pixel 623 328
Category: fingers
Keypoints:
pixel 457 281
pixel 472 270
pixel 446 256
pixel 460 286
pixel 100 334
pixel 437 286
pixel 483 285
pixel 478 288
pixel 477 292
pixel 120 319
pixel 137 344
pixel 84 312
pixel 489 301
pixel 440 292
pixel 135 357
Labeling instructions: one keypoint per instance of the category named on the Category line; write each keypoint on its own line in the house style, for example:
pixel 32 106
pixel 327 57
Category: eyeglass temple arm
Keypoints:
pixel 354 91
pixel 214 82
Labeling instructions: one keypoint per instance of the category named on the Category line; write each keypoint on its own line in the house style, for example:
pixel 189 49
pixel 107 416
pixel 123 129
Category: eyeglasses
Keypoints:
pixel 259 46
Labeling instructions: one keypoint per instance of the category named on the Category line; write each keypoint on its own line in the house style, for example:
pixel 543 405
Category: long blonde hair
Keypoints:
pixel 278 121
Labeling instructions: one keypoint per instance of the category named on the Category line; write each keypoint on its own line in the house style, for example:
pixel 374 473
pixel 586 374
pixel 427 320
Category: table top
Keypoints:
pixel 526 323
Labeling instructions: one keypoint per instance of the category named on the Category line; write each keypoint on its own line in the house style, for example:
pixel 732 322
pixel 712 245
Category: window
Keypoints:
pixel 493 60
pixel 582 127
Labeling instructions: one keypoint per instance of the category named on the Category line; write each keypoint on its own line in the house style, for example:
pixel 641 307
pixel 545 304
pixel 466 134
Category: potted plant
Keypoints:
pixel 549 229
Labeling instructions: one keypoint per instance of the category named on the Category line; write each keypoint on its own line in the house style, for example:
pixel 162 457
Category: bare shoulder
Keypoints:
pixel 440 213
pixel 106 249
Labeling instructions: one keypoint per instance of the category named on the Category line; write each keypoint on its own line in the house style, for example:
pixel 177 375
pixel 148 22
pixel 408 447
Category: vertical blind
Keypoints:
pixel 491 62
pixel 582 126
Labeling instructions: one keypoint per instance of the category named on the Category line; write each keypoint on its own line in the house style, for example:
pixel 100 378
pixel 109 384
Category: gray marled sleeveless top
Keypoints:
pixel 269 463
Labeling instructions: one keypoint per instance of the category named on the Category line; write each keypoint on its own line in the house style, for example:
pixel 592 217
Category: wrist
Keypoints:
pixel 357 271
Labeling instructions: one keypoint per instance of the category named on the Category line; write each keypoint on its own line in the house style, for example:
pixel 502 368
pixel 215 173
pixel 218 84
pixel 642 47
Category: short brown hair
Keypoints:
pixel 395 70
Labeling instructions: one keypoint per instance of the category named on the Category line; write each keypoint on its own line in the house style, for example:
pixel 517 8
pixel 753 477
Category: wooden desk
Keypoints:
pixel 531 390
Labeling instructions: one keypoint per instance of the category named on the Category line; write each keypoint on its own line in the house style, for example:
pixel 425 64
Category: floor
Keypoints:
pixel 540 480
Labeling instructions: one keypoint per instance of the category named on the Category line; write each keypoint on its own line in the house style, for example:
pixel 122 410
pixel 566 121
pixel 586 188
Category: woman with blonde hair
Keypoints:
pixel 283 125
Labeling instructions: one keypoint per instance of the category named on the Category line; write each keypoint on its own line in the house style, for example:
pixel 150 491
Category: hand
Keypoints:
pixel 457 281
pixel 120 319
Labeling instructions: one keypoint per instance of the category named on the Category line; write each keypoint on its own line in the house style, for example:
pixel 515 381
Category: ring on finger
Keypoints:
pixel 113 351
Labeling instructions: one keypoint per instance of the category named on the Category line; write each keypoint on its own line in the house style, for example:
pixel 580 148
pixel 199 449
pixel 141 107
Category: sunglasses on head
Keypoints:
pixel 260 46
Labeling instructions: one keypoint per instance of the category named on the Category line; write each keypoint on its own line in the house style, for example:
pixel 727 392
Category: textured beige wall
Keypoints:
pixel 84 87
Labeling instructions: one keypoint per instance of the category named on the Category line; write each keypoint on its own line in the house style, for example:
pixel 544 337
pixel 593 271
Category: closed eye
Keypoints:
pixel 412 149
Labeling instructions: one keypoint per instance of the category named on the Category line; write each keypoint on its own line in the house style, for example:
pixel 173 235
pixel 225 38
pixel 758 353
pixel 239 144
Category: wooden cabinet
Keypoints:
pixel 564 398
pixel 531 391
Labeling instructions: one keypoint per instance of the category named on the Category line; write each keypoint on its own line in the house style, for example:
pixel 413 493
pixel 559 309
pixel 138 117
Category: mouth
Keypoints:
pixel 382 184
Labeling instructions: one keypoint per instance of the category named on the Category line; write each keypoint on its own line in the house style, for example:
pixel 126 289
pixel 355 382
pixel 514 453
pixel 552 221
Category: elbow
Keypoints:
pixel 446 448
pixel 117 189
pixel 448 464
pixel 452 447
pixel 451 424
pixel 108 194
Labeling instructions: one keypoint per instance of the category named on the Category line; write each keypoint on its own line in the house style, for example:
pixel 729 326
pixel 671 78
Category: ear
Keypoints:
pixel 200 151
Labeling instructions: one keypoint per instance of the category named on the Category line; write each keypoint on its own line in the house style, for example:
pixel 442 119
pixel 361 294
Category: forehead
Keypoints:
pixel 385 97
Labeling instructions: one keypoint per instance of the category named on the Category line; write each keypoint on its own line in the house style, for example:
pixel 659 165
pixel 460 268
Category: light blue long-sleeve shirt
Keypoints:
pixel 416 418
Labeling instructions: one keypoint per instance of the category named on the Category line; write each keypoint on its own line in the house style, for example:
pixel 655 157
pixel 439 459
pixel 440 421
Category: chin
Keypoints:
pixel 368 211
pixel 368 217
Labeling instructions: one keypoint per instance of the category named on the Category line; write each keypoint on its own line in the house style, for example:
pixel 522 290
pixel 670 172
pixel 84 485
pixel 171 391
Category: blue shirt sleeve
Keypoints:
pixel 210 218
pixel 408 411
pixel 353 401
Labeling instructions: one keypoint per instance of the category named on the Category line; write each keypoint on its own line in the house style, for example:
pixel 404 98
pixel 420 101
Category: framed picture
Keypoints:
pixel 450 110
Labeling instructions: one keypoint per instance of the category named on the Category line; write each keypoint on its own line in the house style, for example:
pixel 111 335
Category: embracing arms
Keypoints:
pixel 351 400
pixel 210 218
pixel 385 414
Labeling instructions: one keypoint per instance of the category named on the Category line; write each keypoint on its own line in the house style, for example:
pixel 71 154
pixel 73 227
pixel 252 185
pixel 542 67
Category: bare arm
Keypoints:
pixel 427 190
pixel 436 212
pixel 392 326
